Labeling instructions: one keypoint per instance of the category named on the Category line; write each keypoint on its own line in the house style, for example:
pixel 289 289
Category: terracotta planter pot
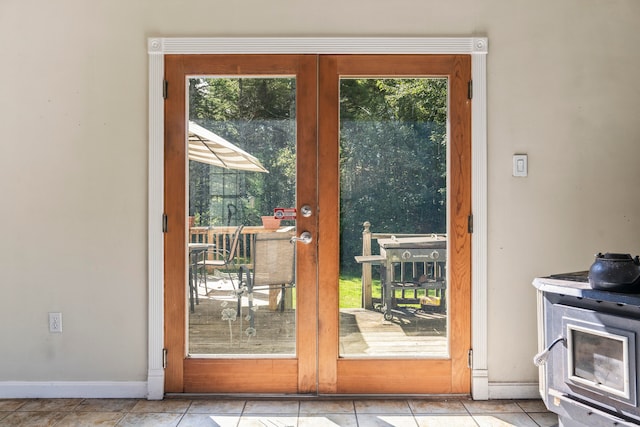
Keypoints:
pixel 270 223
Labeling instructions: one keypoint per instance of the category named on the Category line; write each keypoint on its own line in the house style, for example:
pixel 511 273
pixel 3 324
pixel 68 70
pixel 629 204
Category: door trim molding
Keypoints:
pixel 477 47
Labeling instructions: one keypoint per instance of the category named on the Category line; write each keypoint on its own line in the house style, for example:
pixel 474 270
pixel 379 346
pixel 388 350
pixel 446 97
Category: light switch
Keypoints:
pixel 520 165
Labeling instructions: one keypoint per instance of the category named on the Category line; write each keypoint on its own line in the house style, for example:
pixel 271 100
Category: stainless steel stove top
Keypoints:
pixel 578 276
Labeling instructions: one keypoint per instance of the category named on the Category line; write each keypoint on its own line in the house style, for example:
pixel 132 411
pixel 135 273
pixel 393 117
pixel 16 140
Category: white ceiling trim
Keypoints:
pixel 310 45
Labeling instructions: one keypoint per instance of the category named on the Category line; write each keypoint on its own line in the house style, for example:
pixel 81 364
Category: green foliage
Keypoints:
pixel 392 154
pixel 257 115
pixel 393 158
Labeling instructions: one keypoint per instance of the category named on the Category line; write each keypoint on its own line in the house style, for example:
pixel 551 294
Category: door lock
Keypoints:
pixel 306 211
pixel 305 237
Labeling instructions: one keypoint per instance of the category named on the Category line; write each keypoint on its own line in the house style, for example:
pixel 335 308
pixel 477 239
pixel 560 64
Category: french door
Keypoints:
pixel 324 144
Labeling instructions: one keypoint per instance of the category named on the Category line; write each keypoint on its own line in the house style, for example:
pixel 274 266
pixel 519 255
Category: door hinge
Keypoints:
pixel 164 223
pixel 164 358
pixel 470 89
pixel 165 89
pixel 470 358
pixel 470 223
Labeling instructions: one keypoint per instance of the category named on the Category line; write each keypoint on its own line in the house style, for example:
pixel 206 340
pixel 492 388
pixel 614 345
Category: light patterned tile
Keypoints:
pixel 445 420
pixel 206 420
pixel 11 404
pixel 217 407
pixel 328 420
pixel 504 420
pixel 107 405
pixel 544 419
pixel 280 413
pixel 50 405
pixel 382 407
pixel 176 406
pixel 437 407
pixel 384 420
pixel 287 407
pixel 269 420
pixel 83 419
pixel 532 405
pixel 491 406
pixel 142 419
pixel 313 407
pixel 31 419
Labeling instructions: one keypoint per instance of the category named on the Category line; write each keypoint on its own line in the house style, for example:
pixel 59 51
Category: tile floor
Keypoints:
pixel 273 413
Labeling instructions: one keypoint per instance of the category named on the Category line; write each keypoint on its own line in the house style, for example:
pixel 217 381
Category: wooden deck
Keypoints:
pixel 363 333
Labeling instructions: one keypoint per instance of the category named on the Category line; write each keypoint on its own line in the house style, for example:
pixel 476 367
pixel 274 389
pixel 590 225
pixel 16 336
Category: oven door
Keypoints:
pixel 599 358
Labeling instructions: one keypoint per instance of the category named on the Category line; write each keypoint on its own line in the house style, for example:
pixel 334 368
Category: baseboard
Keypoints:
pixel 72 389
pixel 513 391
pixel 140 389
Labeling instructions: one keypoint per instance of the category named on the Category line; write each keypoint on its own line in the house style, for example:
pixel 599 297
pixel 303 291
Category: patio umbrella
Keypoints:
pixel 207 147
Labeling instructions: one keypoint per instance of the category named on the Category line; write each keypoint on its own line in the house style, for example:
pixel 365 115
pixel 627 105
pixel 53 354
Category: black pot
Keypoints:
pixel 616 273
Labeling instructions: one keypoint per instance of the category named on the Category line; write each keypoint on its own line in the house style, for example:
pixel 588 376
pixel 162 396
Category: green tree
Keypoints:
pixel 393 158
pixel 258 115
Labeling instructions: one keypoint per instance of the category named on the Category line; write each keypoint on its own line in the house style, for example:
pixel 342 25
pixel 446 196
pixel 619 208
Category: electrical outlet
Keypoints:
pixel 55 322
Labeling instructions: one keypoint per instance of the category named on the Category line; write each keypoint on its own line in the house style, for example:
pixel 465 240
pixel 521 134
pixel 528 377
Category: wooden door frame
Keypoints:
pixel 293 374
pixel 477 47
pixel 388 375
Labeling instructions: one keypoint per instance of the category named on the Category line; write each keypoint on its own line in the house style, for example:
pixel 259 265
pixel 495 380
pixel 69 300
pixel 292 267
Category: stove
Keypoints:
pixel 590 352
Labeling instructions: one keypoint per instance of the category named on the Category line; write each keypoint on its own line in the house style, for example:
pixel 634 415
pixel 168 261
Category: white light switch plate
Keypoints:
pixel 520 165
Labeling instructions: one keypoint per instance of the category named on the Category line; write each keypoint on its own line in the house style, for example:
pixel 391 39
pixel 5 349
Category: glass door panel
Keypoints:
pixel 393 217
pixel 242 165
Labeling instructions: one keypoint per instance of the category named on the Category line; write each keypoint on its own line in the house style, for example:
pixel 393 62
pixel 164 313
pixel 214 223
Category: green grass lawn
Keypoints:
pixel 351 291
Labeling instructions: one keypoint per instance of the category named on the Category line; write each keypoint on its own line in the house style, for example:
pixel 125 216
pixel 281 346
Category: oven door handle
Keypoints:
pixel 541 358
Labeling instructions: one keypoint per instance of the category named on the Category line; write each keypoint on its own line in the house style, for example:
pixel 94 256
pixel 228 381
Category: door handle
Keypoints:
pixel 305 237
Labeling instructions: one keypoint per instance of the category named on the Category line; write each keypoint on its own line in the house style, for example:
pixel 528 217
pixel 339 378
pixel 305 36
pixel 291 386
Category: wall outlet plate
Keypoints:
pixel 55 323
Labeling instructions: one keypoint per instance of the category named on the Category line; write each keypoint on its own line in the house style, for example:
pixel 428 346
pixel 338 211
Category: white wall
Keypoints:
pixel 562 87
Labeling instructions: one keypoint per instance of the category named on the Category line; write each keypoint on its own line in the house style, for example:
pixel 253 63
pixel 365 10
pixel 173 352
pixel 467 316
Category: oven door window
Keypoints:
pixel 598 358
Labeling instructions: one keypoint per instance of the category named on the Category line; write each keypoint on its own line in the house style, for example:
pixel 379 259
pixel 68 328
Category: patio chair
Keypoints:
pixel 221 258
pixel 272 269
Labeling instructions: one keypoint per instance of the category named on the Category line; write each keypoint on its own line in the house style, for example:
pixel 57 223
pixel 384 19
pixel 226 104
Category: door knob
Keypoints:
pixel 305 237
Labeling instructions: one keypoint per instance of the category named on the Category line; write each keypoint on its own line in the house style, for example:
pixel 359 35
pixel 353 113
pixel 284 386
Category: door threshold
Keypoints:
pixel 294 396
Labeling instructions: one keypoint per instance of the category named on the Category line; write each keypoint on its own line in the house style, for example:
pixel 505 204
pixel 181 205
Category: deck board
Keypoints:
pixel 363 332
